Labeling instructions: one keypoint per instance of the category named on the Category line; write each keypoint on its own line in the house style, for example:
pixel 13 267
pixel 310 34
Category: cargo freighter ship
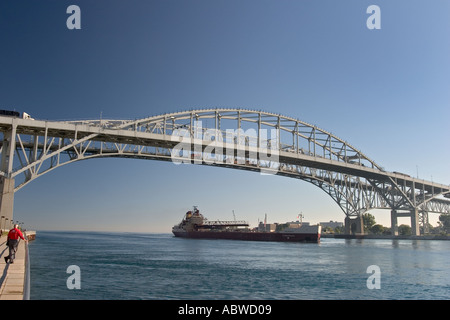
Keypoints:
pixel 195 225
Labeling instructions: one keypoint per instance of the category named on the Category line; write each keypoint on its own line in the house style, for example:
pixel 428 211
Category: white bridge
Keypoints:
pixel 232 138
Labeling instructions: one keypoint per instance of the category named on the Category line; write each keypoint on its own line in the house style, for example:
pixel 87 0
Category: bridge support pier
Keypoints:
pixel 413 214
pixel 7 184
pixel 394 223
pixel 354 226
pixel 6 199
pixel 415 230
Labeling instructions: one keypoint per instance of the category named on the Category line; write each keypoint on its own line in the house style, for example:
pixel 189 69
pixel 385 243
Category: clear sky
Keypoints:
pixel 386 91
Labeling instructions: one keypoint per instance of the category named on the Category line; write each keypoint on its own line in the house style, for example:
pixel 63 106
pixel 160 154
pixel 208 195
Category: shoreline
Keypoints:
pixel 383 236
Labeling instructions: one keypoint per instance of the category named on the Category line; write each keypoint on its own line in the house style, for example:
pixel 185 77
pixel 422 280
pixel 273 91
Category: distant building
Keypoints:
pixel 331 224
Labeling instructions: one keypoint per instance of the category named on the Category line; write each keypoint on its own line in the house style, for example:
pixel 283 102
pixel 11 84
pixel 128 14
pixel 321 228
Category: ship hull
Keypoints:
pixel 250 236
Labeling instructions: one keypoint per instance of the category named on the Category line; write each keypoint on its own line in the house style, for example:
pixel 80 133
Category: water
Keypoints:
pixel 159 266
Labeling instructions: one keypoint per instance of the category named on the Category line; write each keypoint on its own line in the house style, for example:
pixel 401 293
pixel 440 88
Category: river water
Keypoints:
pixel 123 266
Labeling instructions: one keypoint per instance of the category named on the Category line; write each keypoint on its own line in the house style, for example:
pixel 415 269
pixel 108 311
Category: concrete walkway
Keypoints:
pixel 12 276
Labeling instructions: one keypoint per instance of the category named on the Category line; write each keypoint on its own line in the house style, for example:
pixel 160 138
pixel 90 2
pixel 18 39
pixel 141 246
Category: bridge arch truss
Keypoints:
pixel 233 138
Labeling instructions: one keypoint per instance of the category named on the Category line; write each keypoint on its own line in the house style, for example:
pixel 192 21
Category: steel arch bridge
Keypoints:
pixel 232 138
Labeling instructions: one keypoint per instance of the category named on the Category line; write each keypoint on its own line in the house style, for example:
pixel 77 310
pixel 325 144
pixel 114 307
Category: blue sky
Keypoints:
pixel 385 91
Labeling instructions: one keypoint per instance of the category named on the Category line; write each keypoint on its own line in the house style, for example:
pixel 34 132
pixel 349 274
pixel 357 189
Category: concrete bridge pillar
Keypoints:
pixel 6 198
pixel 6 166
pixel 413 215
pixel 415 231
pixel 354 226
pixel 394 223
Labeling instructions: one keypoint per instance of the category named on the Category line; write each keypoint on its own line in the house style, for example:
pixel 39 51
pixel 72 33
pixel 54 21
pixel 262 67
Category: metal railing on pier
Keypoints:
pixel 26 282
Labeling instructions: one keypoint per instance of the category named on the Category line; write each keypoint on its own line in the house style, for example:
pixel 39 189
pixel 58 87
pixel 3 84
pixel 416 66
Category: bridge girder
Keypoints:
pixel 30 148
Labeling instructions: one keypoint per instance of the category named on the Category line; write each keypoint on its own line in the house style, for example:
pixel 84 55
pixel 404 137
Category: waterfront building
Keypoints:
pixel 331 224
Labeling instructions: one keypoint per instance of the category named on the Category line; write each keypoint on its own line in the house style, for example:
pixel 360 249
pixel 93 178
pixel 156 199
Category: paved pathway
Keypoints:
pixel 12 276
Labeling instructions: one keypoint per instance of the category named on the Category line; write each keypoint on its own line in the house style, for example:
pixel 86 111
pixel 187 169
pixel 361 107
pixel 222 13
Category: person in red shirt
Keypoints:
pixel 13 242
